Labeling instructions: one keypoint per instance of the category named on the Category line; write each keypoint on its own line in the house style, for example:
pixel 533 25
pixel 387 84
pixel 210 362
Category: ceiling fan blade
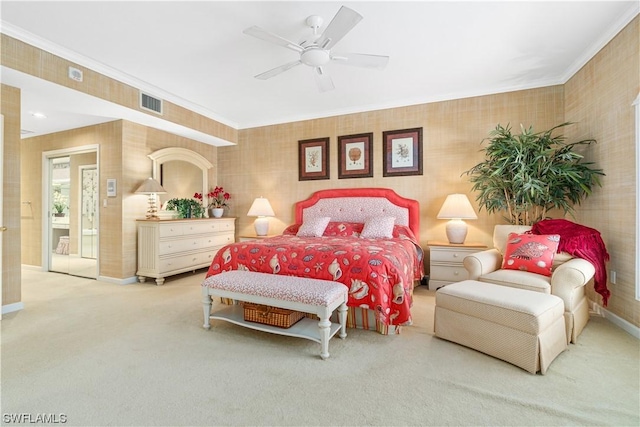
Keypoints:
pixel 265 35
pixel 274 72
pixel 361 60
pixel 339 26
pixel 323 80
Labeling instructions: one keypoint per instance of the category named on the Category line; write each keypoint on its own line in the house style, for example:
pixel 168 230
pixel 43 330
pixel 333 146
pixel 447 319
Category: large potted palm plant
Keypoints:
pixel 527 175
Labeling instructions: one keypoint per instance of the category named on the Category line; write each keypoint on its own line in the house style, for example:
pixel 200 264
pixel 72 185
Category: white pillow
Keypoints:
pixel 313 227
pixel 378 227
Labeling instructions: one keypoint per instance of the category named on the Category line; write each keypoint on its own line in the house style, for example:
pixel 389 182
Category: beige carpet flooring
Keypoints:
pixel 137 355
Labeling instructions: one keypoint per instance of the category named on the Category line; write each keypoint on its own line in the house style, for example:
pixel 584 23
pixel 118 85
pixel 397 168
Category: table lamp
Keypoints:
pixel 456 208
pixel 262 209
pixel 151 187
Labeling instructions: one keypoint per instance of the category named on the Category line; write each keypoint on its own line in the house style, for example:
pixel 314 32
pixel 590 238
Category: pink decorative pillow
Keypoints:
pixel 343 229
pixel 291 230
pixel 530 252
pixel 378 227
pixel 313 227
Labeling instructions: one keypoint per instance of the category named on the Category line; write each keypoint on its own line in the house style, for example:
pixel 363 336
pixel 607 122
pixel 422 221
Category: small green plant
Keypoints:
pixel 59 202
pixel 186 208
pixel 529 174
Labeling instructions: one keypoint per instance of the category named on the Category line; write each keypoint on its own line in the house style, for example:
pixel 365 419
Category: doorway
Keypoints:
pixel 71 221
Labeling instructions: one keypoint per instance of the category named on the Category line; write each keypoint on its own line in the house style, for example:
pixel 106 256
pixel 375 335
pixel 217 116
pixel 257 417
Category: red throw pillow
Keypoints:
pixel 530 252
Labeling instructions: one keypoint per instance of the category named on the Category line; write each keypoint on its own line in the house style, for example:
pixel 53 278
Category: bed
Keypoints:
pixel 365 238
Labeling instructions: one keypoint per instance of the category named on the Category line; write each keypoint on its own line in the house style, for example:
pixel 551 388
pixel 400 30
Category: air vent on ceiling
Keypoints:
pixel 149 103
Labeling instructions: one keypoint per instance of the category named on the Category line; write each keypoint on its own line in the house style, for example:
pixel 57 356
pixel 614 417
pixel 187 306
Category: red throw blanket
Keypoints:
pixel 583 242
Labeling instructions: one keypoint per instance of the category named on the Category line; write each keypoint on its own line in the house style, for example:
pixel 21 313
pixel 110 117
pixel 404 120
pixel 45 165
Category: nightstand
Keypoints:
pixel 247 237
pixel 445 265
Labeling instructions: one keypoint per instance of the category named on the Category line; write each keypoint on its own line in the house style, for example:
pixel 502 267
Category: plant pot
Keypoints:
pixel 58 214
pixel 216 212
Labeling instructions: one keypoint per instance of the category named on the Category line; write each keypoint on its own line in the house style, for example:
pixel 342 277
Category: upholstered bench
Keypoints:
pixel 320 297
pixel 521 327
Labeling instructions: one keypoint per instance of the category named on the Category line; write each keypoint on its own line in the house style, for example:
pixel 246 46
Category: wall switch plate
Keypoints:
pixel 111 187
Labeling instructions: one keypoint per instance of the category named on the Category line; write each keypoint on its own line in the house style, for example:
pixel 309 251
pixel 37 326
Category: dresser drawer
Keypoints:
pixel 179 262
pixel 206 227
pixel 216 241
pixel 180 245
pixel 170 230
pixel 448 273
pixel 455 255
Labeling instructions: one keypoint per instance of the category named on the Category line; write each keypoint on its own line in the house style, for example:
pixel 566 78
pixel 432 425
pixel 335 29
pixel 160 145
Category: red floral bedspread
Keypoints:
pixel 378 272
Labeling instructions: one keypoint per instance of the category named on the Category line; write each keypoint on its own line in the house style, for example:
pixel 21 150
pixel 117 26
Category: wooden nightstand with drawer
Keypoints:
pixel 446 262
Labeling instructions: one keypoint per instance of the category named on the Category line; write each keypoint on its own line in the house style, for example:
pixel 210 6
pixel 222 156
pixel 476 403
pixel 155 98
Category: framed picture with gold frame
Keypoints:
pixel 355 156
pixel 402 152
pixel 313 159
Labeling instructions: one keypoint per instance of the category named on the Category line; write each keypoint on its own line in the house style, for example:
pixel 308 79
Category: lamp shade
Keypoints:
pixel 457 206
pixel 150 186
pixel 261 207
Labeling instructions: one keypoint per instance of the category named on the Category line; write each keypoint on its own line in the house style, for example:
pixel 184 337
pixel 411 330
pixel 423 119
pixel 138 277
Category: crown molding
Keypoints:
pixel 604 39
pixel 99 67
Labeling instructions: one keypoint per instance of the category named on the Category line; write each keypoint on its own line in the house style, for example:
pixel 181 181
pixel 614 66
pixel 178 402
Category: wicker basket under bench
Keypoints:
pixel 268 315
pixel 319 297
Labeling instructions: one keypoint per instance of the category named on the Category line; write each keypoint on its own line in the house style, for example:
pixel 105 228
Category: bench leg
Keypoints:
pixel 325 327
pixel 206 307
pixel 342 317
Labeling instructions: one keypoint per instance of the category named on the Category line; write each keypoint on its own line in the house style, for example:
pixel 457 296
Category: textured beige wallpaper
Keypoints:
pixel 11 203
pixel 599 99
pixel 264 163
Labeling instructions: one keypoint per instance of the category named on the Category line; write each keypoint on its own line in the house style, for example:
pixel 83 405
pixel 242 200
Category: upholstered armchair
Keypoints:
pixel 567 281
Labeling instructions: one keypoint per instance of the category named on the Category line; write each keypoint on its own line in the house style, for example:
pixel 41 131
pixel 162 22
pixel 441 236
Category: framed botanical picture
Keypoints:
pixel 402 152
pixel 313 159
pixel 355 157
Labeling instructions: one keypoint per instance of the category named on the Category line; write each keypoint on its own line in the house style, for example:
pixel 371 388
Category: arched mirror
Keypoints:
pixel 181 172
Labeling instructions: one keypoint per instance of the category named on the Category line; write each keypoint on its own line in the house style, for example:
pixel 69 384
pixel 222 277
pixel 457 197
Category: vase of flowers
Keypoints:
pixel 218 200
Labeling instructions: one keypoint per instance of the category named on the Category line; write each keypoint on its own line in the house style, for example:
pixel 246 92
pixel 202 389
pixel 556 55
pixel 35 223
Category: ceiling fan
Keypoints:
pixel 315 51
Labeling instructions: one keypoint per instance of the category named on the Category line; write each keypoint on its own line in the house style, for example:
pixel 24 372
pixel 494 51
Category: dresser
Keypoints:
pixel 169 247
pixel 445 265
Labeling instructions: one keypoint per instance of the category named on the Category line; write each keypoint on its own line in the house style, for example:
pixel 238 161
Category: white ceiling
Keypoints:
pixel 195 54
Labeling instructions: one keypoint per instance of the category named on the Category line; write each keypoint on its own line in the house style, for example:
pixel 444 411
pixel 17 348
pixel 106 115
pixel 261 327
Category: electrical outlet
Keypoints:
pixel 612 277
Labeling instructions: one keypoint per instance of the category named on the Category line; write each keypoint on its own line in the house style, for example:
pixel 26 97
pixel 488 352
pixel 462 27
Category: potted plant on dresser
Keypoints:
pixel 186 208
pixel 529 174
pixel 218 200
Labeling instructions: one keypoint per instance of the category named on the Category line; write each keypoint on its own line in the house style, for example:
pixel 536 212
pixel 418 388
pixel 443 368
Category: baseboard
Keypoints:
pixel 32 267
pixel 10 308
pixel 625 325
pixel 125 281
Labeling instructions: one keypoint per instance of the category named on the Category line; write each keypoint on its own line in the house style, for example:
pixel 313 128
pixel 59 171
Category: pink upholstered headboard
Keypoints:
pixel 358 204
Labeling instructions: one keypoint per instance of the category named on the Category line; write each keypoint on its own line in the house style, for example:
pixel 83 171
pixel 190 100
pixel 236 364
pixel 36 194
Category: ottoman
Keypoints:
pixel 524 328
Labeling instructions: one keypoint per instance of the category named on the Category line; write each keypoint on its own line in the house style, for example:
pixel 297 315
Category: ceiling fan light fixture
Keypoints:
pixel 315 57
pixel 315 22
